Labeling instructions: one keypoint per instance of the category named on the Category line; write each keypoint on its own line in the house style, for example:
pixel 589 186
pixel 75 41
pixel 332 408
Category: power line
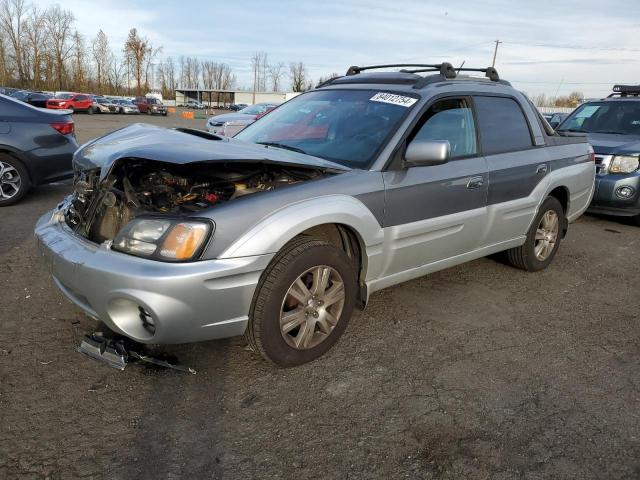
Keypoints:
pixel 574 47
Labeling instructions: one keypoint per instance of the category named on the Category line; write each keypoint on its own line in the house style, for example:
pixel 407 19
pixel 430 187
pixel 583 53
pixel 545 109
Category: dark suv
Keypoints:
pixel 150 105
pixel 613 128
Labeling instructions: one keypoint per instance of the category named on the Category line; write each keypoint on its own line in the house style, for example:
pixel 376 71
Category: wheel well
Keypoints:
pixel 562 194
pixel 346 239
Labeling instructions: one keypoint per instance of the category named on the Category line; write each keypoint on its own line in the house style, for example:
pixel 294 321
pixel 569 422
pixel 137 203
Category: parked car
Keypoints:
pixel 125 106
pixel 613 129
pixel 104 105
pixel 237 106
pixel 36 147
pixel 557 118
pixel 279 233
pixel 7 90
pixel 37 99
pixel 215 123
pixel 195 105
pixel 76 102
pixel 150 105
pixel 233 127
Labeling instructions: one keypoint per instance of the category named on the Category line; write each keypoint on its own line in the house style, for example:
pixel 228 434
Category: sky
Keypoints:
pixel 551 47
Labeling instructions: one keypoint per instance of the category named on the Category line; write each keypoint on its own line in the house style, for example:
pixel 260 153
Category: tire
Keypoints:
pixel 525 257
pixel 90 111
pixel 301 257
pixel 636 220
pixel 12 166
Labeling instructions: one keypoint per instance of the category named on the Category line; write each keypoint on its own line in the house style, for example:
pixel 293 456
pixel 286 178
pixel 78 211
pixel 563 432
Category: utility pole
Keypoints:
pixel 495 53
pixel 255 81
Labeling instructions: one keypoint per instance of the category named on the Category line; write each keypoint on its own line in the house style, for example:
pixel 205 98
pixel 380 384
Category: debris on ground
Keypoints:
pixel 118 352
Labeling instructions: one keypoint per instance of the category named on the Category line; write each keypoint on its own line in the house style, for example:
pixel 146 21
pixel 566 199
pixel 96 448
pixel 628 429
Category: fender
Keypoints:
pixel 274 231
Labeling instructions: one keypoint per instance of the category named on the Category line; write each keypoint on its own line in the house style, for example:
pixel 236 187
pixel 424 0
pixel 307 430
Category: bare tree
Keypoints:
pixel 259 69
pixel 116 74
pixel 137 50
pixel 276 72
pixel 298 74
pixel 35 45
pixel 58 24
pixel 12 20
pixel 102 57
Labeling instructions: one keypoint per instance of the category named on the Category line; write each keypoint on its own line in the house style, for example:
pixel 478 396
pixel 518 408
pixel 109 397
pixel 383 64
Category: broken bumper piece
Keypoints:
pixel 119 352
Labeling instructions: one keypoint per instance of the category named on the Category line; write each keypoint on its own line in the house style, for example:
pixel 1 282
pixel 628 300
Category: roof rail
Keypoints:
pixel 625 90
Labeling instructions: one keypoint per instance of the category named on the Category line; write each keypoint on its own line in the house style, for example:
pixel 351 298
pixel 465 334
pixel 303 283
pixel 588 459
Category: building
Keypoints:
pixel 224 98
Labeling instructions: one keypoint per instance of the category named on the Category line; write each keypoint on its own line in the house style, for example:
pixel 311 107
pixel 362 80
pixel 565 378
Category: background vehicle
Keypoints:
pixel 125 106
pixel 104 105
pixel 237 106
pixel 36 146
pixel 195 105
pixel 37 99
pixel 251 113
pixel 231 128
pixel 150 105
pixel 557 118
pixel 613 128
pixel 369 181
pixel 77 102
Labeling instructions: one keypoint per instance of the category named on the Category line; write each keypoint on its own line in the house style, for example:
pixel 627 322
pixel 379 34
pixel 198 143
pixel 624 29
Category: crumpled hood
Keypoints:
pixel 609 144
pixel 149 142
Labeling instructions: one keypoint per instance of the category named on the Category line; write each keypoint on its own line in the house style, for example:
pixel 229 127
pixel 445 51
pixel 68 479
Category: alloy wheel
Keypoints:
pixel 312 307
pixel 10 181
pixel 546 235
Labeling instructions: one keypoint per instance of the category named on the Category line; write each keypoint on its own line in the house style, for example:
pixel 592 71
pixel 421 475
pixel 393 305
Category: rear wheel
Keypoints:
pixel 90 110
pixel 543 238
pixel 14 180
pixel 303 302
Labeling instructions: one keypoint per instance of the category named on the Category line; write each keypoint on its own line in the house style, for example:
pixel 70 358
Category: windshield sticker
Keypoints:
pixel 587 111
pixel 393 99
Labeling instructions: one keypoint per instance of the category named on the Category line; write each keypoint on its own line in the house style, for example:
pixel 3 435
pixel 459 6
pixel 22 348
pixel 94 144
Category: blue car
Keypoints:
pixel 36 147
pixel 613 128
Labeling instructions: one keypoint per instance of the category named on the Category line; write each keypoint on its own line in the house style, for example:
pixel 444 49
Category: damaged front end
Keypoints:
pixel 100 208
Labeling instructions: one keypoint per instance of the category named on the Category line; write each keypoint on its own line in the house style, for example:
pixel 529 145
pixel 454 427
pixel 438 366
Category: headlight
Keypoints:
pixel 163 239
pixel 624 164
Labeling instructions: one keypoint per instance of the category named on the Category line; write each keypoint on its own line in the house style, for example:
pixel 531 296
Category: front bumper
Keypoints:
pixel 186 302
pixel 607 199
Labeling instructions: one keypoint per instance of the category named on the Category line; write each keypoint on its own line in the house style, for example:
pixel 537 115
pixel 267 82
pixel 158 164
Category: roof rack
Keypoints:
pixel 445 71
pixel 625 90
pixel 445 68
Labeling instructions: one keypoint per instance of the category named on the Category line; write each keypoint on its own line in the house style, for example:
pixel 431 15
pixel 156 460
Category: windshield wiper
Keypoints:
pixel 612 132
pixel 571 130
pixel 281 145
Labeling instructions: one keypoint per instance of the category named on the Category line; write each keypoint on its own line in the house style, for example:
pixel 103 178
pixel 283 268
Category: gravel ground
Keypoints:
pixel 476 372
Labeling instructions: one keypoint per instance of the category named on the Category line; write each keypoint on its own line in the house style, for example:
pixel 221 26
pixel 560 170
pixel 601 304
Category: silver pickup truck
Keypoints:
pixel 369 180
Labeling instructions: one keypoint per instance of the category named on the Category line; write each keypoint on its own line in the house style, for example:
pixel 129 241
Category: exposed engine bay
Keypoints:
pixel 100 209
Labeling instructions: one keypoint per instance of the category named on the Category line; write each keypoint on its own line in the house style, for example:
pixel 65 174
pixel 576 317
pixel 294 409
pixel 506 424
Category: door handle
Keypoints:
pixel 475 182
pixel 542 169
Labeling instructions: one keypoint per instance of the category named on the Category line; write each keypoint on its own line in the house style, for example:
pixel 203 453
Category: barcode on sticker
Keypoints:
pixel 393 99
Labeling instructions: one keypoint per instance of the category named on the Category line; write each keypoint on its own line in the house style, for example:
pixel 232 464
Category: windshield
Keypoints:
pixel 343 126
pixel 255 109
pixel 614 117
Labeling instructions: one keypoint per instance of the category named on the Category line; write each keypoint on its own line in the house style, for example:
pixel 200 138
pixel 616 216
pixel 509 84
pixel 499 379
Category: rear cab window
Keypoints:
pixel 502 125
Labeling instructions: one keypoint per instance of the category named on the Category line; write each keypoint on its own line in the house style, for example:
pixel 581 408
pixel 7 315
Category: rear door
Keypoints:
pixel 516 166
pixel 436 212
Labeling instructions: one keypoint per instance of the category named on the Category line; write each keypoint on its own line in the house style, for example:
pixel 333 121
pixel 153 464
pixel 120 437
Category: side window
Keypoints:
pixel 81 98
pixel 450 119
pixel 502 124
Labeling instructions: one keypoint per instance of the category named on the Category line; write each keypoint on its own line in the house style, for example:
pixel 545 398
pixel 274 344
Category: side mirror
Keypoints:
pixel 554 124
pixel 422 153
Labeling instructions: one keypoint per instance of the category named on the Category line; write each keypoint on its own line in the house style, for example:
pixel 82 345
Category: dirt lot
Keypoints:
pixel 476 372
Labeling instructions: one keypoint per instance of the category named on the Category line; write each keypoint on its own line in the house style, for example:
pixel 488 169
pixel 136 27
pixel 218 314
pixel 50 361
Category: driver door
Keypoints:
pixel 440 211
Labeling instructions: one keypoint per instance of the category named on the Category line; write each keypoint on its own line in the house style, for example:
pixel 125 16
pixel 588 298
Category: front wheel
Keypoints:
pixel 303 302
pixel 543 238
